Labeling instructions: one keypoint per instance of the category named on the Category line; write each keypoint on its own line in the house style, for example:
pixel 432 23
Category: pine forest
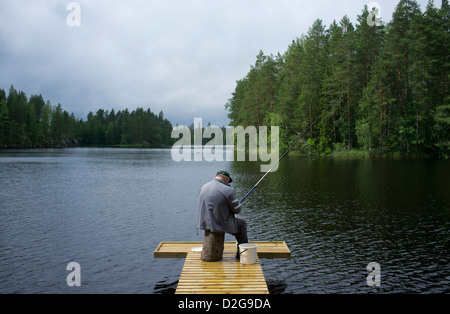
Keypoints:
pixel 378 90
pixel 34 122
pixel 364 90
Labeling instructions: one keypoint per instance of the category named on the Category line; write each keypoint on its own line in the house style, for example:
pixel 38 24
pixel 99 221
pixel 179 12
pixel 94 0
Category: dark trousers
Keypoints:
pixel 241 235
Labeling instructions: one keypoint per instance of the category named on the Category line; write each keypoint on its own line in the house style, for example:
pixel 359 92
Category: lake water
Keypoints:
pixel 108 209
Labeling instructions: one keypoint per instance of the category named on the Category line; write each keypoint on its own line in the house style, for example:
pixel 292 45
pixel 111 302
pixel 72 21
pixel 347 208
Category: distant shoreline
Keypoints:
pixel 353 154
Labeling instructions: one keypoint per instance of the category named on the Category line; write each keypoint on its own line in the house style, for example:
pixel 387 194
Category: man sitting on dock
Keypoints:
pixel 218 206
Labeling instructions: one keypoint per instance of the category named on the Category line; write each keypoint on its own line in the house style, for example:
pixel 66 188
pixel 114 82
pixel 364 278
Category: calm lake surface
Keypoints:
pixel 108 209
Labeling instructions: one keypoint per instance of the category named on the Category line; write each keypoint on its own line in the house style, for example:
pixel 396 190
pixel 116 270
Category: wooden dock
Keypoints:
pixel 228 276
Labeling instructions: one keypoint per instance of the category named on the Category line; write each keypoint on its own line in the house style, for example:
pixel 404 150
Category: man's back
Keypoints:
pixel 217 206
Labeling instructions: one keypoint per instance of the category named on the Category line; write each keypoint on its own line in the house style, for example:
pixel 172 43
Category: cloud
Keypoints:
pixel 181 57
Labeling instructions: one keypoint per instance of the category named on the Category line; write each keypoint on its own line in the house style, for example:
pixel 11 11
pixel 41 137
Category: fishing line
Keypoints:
pixel 286 152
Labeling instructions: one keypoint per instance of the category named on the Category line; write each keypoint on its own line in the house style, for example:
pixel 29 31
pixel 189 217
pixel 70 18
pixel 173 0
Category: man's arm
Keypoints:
pixel 235 205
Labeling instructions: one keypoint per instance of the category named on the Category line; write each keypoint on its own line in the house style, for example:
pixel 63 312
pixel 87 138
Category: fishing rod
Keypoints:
pixel 286 152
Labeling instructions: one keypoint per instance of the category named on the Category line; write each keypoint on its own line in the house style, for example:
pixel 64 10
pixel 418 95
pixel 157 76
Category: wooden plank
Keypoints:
pixel 228 276
pixel 223 292
pixel 266 249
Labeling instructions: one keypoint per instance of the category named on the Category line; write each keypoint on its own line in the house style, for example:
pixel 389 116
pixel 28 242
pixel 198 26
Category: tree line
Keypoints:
pixel 34 122
pixel 383 90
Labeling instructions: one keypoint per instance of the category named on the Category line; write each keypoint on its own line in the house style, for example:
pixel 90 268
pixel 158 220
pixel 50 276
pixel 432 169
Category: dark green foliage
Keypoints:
pixel 35 123
pixel 386 87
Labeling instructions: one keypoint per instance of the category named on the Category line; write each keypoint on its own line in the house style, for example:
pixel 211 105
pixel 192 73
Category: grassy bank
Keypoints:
pixel 363 154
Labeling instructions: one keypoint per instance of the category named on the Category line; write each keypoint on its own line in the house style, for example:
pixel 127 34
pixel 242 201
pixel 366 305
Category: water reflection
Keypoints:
pixel 339 215
pixel 108 209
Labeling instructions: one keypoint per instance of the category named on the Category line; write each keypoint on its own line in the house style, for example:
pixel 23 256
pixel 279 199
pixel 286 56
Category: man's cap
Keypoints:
pixel 225 173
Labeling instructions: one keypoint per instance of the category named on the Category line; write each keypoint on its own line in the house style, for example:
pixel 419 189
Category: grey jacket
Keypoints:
pixel 217 206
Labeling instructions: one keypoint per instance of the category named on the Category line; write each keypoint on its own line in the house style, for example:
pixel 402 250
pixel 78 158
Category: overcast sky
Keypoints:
pixel 179 56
